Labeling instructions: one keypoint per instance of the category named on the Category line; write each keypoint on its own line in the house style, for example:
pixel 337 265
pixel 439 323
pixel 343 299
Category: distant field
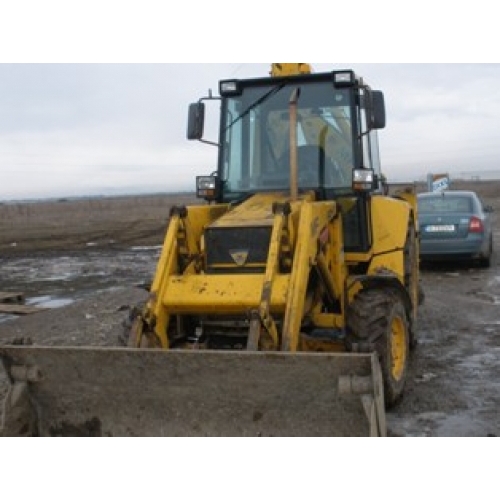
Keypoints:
pixel 117 221
pixel 73 224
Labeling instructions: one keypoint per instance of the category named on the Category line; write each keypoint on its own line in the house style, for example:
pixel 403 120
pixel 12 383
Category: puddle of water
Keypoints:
pixel 58 281
pixel 46 301
pixel 7 317
pixel 49 301
pixel 494 281
pixel 146 249
pixel 464 424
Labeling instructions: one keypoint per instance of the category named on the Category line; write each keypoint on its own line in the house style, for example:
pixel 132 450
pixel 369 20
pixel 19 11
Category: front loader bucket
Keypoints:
pixel 75 391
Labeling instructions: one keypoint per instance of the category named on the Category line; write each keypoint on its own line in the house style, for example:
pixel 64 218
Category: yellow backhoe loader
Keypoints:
pixel 286 305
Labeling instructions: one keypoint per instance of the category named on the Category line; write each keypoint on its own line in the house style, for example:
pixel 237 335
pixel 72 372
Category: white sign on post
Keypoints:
pixel 440 183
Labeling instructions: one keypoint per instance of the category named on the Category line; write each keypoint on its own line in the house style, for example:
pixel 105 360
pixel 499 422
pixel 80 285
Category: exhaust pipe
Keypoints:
pixel 294 185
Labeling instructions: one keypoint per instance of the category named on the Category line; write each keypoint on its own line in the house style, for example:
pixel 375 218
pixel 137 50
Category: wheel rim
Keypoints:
pixel 398 347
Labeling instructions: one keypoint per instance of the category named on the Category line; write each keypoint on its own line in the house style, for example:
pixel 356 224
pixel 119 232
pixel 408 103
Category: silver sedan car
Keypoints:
pixel 455 225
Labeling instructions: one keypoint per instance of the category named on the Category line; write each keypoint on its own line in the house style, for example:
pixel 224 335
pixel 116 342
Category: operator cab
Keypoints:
pixel 334 121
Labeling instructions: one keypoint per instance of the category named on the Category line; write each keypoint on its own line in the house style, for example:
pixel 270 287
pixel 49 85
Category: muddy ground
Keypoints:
pixel 87 261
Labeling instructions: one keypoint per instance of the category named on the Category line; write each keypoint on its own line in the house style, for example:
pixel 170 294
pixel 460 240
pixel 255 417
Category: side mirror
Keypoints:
pixel 377 103
pixel 488 209
pixel 196 121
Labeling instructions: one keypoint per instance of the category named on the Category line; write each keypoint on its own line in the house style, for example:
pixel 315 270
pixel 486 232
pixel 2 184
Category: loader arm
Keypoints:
pixel 315 219
pixel 265 286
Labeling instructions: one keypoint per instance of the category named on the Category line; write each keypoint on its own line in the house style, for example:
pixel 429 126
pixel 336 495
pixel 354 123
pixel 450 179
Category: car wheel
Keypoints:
pixel 485 261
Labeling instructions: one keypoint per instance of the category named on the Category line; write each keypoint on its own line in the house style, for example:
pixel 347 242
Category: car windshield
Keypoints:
pixel 256 138
pixel 444 204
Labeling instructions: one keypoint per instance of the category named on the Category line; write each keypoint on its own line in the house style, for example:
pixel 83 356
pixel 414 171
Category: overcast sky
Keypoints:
pixel 71 129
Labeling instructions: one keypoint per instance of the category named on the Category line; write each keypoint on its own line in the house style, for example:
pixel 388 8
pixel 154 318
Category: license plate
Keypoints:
pixel 450 228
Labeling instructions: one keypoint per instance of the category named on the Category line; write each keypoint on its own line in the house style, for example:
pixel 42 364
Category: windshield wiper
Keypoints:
pixel 259 101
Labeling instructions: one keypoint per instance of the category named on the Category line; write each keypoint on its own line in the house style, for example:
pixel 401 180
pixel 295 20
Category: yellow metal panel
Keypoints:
pixel 203 215
pixel 222 294
pixel 272 266
pixel 354 257
pixel 314 218
pixel 167 264
pixel 289 69
pixel 390 223
pixel 257 210
pixel 409 194
pixel 197 218
pixel 392 261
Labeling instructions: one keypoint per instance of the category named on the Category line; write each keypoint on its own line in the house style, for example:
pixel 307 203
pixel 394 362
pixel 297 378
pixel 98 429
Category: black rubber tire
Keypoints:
pixel 377 321
pixel 485 261
pixel 410 279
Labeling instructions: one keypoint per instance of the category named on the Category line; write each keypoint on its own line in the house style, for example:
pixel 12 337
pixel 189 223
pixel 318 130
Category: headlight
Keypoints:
pixel 344 79
pixel 229 87
pixel 363 180
pixel 207 187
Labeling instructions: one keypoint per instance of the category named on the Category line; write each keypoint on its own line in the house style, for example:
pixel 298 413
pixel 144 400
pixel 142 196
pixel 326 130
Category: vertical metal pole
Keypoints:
pixel 294 185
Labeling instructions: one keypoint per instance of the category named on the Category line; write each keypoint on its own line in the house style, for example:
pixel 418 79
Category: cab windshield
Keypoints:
pixel 255 139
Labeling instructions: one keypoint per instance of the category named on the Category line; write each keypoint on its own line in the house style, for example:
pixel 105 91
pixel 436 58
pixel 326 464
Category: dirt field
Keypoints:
pixel 96 256
pixel 68 225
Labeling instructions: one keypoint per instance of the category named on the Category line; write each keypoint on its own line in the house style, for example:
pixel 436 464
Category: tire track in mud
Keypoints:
pixel 453 387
